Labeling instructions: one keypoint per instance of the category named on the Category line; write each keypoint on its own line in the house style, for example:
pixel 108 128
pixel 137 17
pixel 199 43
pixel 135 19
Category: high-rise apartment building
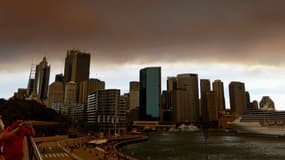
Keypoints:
pixel 237 97
pixel 150 90
pixel 205 87
pixel 134 95
pixel 218 87
pixel 77 65
pixel 189 82
pixel 41 82
pixel 88 86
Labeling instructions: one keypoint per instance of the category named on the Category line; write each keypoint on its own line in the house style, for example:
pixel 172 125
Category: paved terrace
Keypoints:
pixel 64 148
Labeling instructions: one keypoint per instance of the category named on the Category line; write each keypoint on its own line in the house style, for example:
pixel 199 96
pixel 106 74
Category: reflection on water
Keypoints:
pixel 221 146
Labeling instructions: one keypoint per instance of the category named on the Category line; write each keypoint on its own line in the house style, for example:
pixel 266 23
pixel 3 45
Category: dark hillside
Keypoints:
pixel 30 110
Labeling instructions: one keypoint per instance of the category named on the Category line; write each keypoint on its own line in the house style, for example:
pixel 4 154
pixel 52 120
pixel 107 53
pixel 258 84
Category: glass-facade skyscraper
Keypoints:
pixel 150 90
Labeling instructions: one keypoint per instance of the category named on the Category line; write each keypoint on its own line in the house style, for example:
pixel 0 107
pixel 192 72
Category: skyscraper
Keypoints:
pixel 134 97
pixel 189 82
pixel 183 112
pixel 88 86
pixel 169 100
pixel 150 90
pixel 237 97
pixel 212 106
pixel 171 83
pixel 70 94
pixel 42 79
pixel 218 87
pixel 205 87
pixel 77 65
pixel 56 92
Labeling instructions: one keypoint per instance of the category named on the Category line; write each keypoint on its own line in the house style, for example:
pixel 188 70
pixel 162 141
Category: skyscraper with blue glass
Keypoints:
pixel 150 90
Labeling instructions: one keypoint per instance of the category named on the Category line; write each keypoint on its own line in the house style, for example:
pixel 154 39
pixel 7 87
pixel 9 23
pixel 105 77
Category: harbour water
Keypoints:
pixel 220 146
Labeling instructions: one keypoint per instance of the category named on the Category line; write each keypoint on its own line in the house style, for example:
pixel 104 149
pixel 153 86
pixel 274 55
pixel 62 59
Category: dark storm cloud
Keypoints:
pixel 133 31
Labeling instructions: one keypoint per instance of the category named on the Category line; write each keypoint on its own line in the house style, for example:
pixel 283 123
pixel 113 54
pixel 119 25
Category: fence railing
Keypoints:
pixel 31 151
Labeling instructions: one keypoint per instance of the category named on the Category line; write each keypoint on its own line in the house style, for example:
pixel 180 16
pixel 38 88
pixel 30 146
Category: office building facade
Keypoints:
pixel 237 97
pixel 189 83
pixel 212 106
pixel 77 66
pixel 182 110
pixel 218 87
pixel 88 86
pixel 56 94
pixel 150 91
pixel 205 87
pixel 134 95
pixel 70 94
pixel 106 111
pixel 41 81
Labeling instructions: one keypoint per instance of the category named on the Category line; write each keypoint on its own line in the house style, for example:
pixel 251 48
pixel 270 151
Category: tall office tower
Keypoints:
pixel 212 106
pixel 165 100
pixel 171 84
pixel 106 111
pixel 237 97
pixel 205 87
pixel 70 94
pixel 247 98
pixel 150 90
pixel 42 79
pixel 77 65
pixel 31 81
pixel 189 82
pixel 171 88
pixel 166 110
pixel 163 104
pixel 88 86
pixel 121 120
pixel 134 95
pixel 56 92
pixel 182 110
pixel 218 87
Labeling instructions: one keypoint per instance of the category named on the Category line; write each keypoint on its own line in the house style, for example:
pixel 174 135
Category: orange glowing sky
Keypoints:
pixel 221 39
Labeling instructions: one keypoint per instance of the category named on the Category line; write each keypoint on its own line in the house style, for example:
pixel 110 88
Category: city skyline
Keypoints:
pixel 231 41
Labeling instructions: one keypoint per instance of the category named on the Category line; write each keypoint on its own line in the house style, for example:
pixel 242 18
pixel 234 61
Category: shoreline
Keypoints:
pixel 122 155
pixel 113 150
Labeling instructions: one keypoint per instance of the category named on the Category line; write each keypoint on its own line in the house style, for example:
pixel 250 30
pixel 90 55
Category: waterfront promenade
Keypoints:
pixel 62 147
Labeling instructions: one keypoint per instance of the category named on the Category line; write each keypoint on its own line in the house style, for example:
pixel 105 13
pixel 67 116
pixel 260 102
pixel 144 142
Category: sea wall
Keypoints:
pixel 123 156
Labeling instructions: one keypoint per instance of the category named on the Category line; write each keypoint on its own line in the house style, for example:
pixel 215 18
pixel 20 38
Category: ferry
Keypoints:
pixel 265 122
